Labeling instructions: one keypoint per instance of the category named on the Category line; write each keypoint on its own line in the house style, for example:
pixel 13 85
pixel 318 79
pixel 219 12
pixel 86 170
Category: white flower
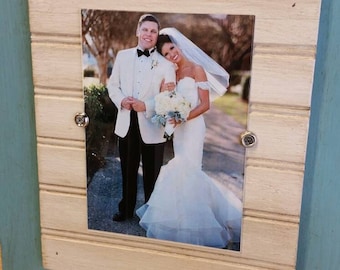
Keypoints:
pixel 170 104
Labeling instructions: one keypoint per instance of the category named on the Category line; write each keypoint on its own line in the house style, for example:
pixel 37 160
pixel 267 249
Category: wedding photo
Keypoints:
pixel 167 99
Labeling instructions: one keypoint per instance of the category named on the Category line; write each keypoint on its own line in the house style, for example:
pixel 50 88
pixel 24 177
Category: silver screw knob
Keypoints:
pixel 81 119
pixel 248 139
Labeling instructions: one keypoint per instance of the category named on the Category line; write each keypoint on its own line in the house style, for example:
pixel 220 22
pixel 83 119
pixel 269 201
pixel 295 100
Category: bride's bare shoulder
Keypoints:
pixel 199 73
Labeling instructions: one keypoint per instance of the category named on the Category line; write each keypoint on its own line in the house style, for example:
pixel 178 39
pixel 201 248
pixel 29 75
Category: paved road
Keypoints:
pixel 223 160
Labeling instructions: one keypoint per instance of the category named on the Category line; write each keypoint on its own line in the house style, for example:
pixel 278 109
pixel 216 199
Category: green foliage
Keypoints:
pixel 96 102
pixel 89 73
pixel 233 105
pixel 102 114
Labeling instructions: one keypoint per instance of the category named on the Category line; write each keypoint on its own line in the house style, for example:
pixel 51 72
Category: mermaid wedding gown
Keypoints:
pixel 187 205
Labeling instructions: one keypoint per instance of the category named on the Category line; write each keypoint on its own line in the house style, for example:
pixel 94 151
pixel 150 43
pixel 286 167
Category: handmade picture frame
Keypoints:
pixel 282 76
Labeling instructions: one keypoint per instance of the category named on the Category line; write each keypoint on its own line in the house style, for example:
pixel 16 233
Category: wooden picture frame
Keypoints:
pixel 282 76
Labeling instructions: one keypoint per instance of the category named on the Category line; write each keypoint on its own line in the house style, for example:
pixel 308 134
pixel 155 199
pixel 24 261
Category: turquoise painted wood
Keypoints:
pixel 319 243
pixel 19 209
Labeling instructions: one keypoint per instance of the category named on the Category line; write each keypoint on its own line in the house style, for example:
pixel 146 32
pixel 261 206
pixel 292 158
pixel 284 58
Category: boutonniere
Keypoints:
pixel 154 63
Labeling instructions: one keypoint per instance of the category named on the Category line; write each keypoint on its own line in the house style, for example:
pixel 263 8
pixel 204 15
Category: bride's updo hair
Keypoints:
pixel 162 39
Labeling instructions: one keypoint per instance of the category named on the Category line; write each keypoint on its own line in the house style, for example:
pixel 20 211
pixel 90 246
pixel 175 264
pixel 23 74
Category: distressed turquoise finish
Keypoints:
pixel 319 241
pixel 19 208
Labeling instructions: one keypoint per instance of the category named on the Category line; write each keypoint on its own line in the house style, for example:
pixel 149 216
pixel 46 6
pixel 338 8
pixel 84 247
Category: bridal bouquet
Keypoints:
pixel 170 104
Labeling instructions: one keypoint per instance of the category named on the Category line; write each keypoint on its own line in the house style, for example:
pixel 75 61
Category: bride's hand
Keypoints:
pixel 174 122
pixel 167 86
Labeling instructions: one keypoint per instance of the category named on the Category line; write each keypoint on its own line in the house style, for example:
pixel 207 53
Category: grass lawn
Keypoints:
pixel 233 105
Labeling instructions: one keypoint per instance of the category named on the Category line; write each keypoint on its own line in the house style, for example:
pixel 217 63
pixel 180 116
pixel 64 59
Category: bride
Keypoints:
pixel 187 205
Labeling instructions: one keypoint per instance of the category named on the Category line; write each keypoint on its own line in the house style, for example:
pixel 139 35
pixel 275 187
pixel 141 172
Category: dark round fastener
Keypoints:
pixel 248 139
pixel 81 119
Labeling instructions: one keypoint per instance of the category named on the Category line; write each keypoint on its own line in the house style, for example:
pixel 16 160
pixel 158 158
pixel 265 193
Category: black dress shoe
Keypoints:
pixel 118 217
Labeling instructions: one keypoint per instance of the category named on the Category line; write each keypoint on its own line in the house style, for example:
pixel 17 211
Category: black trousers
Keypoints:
pixel 131 150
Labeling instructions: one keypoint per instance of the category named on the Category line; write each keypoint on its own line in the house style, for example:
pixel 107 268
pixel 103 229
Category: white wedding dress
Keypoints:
pixel 187 205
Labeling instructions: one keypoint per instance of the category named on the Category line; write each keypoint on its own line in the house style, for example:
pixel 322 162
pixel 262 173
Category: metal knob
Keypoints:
pixel 248 139
pixel 81 119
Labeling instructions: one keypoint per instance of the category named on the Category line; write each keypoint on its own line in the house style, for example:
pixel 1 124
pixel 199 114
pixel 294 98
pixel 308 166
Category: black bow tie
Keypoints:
pixel 145 52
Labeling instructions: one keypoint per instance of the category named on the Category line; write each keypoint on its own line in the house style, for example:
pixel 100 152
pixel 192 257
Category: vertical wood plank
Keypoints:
pixel 0 258
pixel 320 218
pixel 19 206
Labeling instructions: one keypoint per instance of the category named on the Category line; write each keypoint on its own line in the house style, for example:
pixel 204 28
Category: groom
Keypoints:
pixel 136 78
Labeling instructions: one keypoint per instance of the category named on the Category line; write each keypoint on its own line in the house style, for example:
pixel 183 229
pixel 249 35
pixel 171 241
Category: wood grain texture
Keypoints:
pixel 282 78
pixel 269 240
pixel 280 137
pixel 320 220
pixel 58 160
pixel 273 190
pixel 62 211
pixel 275 78
pixel 262 239
pixel 57 242
pixel 57 65
pixel 64 253
pixel 55 117
pixel 289 23
pixel 19 200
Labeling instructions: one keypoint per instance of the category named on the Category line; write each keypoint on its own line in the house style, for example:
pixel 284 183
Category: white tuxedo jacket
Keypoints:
pixel 121 85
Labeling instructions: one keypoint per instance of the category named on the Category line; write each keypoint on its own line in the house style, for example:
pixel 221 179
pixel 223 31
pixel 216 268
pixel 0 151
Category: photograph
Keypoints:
pixel 167 98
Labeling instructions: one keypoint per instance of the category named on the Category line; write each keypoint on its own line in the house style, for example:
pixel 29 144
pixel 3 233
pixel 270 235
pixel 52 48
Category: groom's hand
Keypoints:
pixel 138 105
pixel 127 103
